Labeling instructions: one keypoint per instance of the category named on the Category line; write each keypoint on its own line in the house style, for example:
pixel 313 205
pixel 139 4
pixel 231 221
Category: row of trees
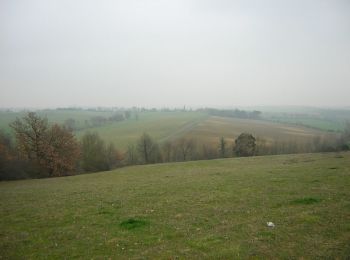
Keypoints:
pixel 45 150
pixel 146 150
pixel 236 113
pixel 97 121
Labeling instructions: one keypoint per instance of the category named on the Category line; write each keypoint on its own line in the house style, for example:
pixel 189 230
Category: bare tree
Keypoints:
pixel 131 154
pixel 147 148
pixel 186 148
pixel 208 151
pixel 167 148
pixel 114 157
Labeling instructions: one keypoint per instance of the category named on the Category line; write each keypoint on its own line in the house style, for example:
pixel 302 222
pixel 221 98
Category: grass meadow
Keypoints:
pixel 214 209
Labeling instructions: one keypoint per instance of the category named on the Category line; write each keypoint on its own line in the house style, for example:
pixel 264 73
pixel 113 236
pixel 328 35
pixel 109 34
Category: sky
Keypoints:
pixel 158 53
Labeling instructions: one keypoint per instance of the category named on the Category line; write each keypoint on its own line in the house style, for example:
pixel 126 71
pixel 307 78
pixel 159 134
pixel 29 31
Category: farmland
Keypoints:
pixel 210 129
pixel 331 120
pixel 204 209
pixel 163 126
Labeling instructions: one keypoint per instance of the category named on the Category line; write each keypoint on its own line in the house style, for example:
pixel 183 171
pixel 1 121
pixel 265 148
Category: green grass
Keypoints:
pixel 160 125
pixel 316 123
pixel 195 210
pixel 306 201
pixel 132 223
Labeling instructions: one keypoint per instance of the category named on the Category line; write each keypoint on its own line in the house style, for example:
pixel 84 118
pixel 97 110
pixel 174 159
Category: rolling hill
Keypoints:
pixel 193 210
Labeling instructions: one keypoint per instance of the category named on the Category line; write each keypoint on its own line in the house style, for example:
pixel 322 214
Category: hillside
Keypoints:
pixel 203 209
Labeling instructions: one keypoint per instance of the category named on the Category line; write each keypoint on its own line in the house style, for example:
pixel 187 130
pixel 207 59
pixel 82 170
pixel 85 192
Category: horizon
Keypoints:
pixel 289 109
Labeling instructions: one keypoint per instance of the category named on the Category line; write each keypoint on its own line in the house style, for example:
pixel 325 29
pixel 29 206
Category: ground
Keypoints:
pixel 192 210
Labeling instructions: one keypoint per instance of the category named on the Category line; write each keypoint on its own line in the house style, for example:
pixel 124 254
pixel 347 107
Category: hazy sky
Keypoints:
pixel 174 53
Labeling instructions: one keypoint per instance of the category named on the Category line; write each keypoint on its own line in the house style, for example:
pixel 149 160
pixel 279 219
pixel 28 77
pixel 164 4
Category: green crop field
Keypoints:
pixel 193 210
pixel 321 124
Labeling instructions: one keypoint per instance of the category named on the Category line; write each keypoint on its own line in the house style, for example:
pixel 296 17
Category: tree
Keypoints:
pixel 186 147
pixel 245 145
pixel 11 167
pixel 71 124
pixel 98 120
pixel 6 155
pixel 51 150
pixel 114 157
pixel 131 154
pixel 208 151
pixel 147 148
pixel 31 133
pixel 62 151
pixel 167 148
pixel 117 117
pixel 5 149
pixel 345 137
pixel 222 147
pixel 127 114
pixel 93 153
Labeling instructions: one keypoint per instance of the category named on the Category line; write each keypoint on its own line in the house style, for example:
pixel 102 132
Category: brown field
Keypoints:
pixel 211 129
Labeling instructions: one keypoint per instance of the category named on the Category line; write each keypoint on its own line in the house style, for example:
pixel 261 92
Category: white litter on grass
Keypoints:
pixel 270 224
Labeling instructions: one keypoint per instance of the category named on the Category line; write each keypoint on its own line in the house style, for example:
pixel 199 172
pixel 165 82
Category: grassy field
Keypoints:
pixel 193 210
pixel 160 125
pixel 321 124
pixel 325 119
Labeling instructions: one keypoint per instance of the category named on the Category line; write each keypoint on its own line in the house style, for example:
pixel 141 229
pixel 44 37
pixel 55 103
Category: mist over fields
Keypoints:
pixel 174 53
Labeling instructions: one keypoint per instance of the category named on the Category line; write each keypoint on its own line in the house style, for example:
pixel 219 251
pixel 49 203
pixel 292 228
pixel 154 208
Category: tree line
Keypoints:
pixel 97 121
pixel 51 150
pixel 235 113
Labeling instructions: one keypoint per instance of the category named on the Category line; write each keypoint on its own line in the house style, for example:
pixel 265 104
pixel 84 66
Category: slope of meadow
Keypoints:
pixel 203 209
